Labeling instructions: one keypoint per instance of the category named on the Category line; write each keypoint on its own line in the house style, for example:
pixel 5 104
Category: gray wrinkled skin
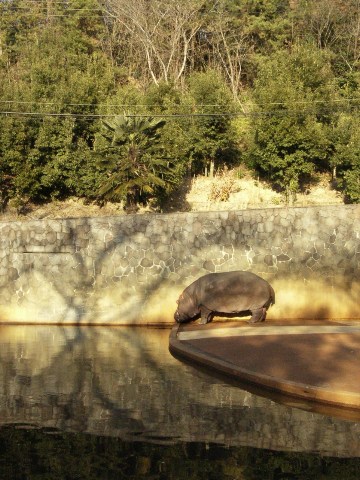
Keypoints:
pixel 225 293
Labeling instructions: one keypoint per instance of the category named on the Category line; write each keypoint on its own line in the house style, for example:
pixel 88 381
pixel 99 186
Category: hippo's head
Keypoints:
pixel 187 309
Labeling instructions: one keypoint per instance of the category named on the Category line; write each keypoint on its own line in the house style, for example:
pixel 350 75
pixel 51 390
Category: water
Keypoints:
pixel 96 402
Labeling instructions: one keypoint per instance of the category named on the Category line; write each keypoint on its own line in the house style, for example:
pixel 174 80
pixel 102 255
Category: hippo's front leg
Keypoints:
pixel 206 315
pixel 258 315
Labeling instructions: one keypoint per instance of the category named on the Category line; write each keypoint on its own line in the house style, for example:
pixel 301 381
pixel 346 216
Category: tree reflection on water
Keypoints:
pixel 113 403
pixel 35 454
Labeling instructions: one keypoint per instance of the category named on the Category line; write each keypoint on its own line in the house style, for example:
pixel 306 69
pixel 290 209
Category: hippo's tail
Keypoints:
pixel 271 299
pixel 272 296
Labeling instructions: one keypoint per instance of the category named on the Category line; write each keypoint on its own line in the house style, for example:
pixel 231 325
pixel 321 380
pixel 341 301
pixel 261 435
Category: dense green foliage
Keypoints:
pixel 134 159
pixel 286 71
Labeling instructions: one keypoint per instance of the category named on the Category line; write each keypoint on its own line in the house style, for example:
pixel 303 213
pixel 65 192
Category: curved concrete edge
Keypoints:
pixel 244 331
pixel 310 393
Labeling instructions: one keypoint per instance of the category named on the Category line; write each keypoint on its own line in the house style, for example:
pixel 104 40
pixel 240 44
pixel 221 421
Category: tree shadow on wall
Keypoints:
pixel 91 278
pixel 78 290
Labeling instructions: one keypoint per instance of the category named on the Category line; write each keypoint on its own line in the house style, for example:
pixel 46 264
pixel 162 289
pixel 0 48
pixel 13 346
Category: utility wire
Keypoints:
pixel 135 105
pixel 89 116
pixel 101 115
pixel 118 105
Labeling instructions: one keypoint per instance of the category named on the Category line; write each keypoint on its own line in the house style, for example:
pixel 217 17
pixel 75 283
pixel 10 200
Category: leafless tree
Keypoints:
pixel 164 31
pixel 334 24
pixel 322 18
pixel 231 47
pixel 353 34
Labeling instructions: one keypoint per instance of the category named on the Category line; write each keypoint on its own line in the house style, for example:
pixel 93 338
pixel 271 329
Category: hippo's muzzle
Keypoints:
pixel 181 318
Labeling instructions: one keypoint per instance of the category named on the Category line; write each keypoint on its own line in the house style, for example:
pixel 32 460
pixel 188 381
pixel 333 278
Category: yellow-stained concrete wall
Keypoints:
pixel 131 269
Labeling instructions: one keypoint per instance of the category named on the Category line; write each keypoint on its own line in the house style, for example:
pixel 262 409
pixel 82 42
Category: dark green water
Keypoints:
pixel 89 403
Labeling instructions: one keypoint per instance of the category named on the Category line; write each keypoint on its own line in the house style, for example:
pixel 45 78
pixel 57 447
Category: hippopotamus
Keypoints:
pixel 225 293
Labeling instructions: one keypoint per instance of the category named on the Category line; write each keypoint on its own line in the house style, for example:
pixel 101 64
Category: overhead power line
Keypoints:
pixel 132 110
pixel 89 116
pixel 198 105
pixel 117 105
pixel 106 115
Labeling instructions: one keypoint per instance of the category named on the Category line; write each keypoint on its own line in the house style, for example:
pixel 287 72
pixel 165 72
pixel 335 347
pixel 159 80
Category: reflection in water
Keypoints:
pixel 122 383
pixel 34 455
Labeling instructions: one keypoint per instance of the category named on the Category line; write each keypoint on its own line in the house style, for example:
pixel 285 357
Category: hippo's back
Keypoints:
pixel 231 292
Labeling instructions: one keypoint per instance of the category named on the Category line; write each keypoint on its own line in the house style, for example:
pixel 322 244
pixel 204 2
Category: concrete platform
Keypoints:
pixel 315 361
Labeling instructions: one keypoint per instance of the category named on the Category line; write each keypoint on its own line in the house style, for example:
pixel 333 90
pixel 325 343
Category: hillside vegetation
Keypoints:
pixel 222 192
pixel 159 105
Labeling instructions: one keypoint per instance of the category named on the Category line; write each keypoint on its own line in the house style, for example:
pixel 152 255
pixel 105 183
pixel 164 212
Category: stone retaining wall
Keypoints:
pixel 131 269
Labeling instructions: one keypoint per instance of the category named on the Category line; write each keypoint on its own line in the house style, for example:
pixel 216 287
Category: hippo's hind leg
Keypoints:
pixel 206 315
pixel 258 315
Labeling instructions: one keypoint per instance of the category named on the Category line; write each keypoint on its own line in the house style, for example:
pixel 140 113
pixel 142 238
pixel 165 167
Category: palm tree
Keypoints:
pixel 133 160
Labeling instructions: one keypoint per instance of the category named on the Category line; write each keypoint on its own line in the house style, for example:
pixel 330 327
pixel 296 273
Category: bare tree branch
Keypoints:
pixel 163 31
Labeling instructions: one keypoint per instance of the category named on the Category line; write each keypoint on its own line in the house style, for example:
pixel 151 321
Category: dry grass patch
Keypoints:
pixel 238 190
